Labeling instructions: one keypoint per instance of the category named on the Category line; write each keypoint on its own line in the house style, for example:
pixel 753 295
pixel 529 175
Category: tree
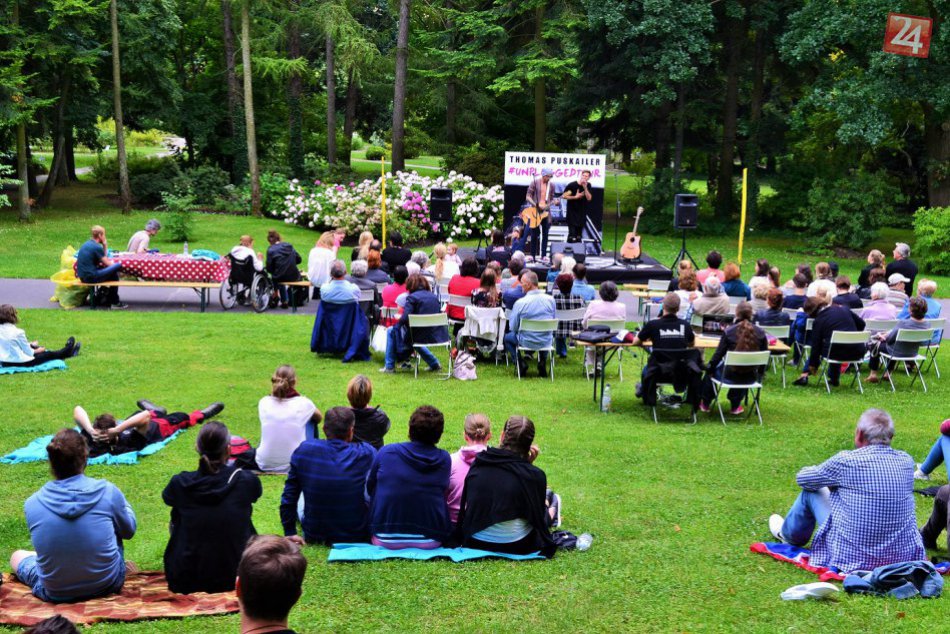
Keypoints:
pixel 125 191
pixel 399 96
pixel 249 108
pixel 238 150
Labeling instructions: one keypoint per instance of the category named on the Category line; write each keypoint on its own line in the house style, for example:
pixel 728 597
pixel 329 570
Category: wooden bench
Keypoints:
pixel 201 288
pixel 293 296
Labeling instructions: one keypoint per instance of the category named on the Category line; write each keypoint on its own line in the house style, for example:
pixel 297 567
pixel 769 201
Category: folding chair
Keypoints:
pixel 673 355
pixel 652 310
pixel 431 321
pixel 657 286
pixel 782 333
pixel 569 314
pixel 539 325
pixel 905 336
pixel 804 346
pixel 613 324
pixel 443 292
pixel 933 346
pixel 748 363
pixel 851 349
pixel 880 325
pixel 791 312
pixel 387 313
pixel 460 301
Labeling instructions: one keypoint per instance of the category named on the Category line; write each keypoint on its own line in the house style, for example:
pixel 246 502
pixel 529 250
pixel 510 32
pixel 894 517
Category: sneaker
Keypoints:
pixel 703 407
pixel 76 349
pixel 212 410
pixel 638 390
pixel 919 474
pixel 775 527
pixel 386 370
pixel 149 406
pixel 736 411
pixel 801 381
pixel 118 306
pixel 554 504
pixel 434 368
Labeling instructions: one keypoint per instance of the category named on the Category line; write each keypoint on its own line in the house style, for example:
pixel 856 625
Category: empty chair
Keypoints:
pixel 660 286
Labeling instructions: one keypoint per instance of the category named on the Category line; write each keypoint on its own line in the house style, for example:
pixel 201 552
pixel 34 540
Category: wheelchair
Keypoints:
pixel 245 285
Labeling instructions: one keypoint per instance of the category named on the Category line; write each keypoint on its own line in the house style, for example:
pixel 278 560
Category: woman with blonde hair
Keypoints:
pixel 444 268
pixel 318 262
pixel 477 433
pixel 361 251
pixel 371 423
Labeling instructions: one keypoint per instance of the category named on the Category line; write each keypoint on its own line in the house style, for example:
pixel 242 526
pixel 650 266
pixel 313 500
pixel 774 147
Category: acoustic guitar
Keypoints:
pixel 631 249
pixel 533 218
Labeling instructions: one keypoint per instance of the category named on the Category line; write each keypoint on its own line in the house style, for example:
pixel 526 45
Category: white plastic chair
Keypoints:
pixel 880 325
pixel 781 333
pixel 658 285
pixel 755 363
pixel 541 326
pixel 459 301
pixel 613 324
pixel 933 347
pixel 431 321
pixel 905 336
pixel 842 338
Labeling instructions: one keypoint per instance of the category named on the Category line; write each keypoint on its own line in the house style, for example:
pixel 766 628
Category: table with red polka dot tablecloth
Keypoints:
pixel 169 267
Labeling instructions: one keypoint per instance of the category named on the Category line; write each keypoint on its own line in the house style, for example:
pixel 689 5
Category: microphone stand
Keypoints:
pixel 617 217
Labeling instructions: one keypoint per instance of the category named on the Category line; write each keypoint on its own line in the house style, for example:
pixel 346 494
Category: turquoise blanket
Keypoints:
pixel 369 552
pixel 36 452
pixel 57 364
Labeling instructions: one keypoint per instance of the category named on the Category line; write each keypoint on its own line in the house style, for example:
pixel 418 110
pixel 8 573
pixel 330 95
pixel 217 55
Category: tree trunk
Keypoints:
pixel 238 152
pixel 71 175
pixel 125 192
pixel 349 117
pixel 730 110
pixel 752 152
pixel 451 98
pixel 32 187
pixel 540 107
pixel 22 173
pixel 680 133
pixel 294 102
pixel 249 108
pixel 937 140
pixel 662 124
pixel 57 165
pixel 331 102
pixel 399 97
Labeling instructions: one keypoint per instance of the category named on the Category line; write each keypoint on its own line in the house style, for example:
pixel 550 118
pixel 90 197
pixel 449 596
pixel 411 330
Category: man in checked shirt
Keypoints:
pixel 859 504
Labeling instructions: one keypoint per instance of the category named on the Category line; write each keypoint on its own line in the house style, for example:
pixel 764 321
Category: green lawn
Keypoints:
pixel 673 507
pixel 89 159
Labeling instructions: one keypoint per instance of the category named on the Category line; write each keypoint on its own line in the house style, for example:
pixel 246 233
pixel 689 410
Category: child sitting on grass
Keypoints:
pixel 477 434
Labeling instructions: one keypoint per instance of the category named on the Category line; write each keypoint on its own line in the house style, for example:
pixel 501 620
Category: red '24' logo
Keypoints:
pixel 908 35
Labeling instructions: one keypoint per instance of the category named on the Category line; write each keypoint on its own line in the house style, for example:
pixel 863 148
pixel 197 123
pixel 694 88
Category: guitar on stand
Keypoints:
pixel 631 249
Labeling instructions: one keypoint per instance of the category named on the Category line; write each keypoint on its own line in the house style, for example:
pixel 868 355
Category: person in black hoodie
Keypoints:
pixel 845 297
pixel 742 336
pixel 210 518
pixel 395 254
pixel 282 261
pixel 372 423
pixel 829 318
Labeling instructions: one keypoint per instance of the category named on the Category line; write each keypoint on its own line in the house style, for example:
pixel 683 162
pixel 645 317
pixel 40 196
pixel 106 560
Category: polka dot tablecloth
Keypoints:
pixel 168 267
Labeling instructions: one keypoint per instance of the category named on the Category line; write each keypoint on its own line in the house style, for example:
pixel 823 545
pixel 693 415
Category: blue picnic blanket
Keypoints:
pixel 56 364
pixel 36 452
pixel 369 552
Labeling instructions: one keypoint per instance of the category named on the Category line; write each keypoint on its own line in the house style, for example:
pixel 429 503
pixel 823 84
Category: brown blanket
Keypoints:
pixel 144 596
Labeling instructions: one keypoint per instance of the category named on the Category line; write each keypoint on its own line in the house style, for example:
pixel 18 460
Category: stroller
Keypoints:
pixel 245 285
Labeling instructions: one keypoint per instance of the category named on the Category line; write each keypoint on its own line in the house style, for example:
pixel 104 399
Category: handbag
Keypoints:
pixel 595 334
pixel 380 339
pixel 464 367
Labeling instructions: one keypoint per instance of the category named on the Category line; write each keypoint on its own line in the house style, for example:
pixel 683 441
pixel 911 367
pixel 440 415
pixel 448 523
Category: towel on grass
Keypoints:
pixel 145 595
pixel 370 552
pixel 56 364
pixel 36 452
pixel 798 556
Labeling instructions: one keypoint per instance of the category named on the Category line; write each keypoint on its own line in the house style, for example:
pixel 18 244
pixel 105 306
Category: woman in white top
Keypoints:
pixel 825 280
pixel 761 274
pixel 287 419
pixel 444 268
pixel 245 250
pixel 318 262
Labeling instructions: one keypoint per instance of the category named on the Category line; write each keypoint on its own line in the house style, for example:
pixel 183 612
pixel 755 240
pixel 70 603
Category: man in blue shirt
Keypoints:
pixel 338 290
pixel 93 266
pixel 331 475
pixel 534 305
pixel 515 292
pixel 581 288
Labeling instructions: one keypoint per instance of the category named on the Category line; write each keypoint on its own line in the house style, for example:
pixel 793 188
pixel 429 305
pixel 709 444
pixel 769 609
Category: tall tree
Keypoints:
pixel 249 108
pixel 331 100
pixel 125 191
pixel 733 39
pixel 399 96
pixel 295 151
pixel 237 150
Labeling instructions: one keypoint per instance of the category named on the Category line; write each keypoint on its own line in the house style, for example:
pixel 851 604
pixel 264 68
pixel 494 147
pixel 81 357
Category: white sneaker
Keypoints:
pixel 920 475
pixel 775 526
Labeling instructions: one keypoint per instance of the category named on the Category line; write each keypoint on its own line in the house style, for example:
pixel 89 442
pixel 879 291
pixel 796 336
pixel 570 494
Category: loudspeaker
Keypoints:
pixel 576 250
pixel 686 211
pixel 440 204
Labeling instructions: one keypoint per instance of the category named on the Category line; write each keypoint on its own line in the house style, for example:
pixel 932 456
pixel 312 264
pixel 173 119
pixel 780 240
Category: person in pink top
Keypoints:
pixel 879 308
pixel 393 291
pixel 477 434
pixel 606 308
pixel 463 284
pixel 713 262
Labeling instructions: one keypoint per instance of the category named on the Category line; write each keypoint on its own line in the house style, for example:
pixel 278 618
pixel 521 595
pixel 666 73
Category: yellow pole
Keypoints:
pixel 382 173
pixel 745 201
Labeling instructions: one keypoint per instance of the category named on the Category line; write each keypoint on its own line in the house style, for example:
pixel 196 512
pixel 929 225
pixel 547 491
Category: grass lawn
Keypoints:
pixel 673 507
pixel 89 159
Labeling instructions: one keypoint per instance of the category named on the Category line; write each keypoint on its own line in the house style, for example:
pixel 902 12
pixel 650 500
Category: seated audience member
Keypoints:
pixel 858 506
pixel 420 301
pixel 211 522
pixel 682 267
pixel 357 276
pixel 395 254
pixel 876 275
pixel 925 290
pixel 879 307
pixel 712 302
pixel 406 487
pixel 362 248
pixel 515 266
pixel 844 295
pixel 149 425
pixel 886 342
pixel 370 423
pixel 498 252
pixel 493 265
pixel 713 262
pixel 139 242
pixel 487 294
pixel 452 253
pixel 581 288
pixel 688 292
pixel 477 433
pixel 282 261
pixel 392 292
pixel 245 249
pixel 534 305
pixel 775 277
pixel 287 419
pixel 374 271
pixel 896 293
pixel 875 261
pixel 553 271
pixel 504 504
pixel 828 318
pixel 773 315
pixel 17 350
pixel 269 582
pixel 802 269
pixel 759 294
pixel 742 336
pixel 564 299
pixel 516 291
pixel 339 290
pixel 518 239
pixel 425 268
pixel 77 525
pixel 463 284
pixel 444 268
pixel 824 280
pixel 939 454
pixel 796 298
pixel 761 274
pixel 607 308
pixel 93 265
pixel 57 624
pixel 330 475
pixel 666 332
pixel 902 264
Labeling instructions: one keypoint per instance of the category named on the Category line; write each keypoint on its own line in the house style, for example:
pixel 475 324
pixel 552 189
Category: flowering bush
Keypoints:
pixel 355 207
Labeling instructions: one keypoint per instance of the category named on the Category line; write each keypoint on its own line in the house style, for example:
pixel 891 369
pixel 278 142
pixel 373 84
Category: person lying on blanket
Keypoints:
pixel 149 425
pixel 859 504
pixel 77 525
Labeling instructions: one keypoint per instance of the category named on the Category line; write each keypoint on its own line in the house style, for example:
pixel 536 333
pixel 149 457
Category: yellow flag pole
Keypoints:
pixel 745 202
pixel 382 173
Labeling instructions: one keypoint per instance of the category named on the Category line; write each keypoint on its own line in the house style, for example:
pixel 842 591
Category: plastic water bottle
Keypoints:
pixel 605 401
pixel 186 248
pixel 584 541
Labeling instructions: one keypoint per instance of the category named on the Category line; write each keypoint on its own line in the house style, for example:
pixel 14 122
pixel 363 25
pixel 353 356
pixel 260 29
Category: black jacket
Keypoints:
pixel 210 525
pixel 828 320
pixel 371 426
pixel 848 300
pixel 728 342
pixel 395 256
pixel 282 261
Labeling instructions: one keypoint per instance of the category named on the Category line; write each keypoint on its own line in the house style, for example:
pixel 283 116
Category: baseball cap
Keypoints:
pixel 903 248
pixel 897 277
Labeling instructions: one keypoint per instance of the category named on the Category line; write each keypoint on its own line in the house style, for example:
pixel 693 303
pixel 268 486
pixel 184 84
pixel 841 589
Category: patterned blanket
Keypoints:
pixel 144 596
pixel 798 556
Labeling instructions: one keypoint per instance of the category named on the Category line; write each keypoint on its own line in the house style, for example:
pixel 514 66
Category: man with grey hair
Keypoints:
pixel 138 243
pixel 357 276
pixel 534 305
pixel 338 290
pixel 712 301
pixel 925 290
pixel 421 259
pixel 859 504
pixel 902 264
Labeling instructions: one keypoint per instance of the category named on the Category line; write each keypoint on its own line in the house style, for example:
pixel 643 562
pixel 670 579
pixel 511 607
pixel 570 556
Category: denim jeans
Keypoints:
pixel 107 274
pixel 938 454
pixel 425 353
pixel 560 345
pixel 809 511
pixel 511 347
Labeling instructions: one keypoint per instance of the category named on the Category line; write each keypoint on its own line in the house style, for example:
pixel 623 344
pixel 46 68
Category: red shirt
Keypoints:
pixel 390 293
pixel 464 286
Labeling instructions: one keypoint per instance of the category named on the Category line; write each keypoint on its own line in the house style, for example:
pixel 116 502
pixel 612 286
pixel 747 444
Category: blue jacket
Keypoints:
pixel 77 526
pixel 736 288
pixel 406 487
pixel 582 289
pixel 422 302
pixel 341 329
pixel 511 296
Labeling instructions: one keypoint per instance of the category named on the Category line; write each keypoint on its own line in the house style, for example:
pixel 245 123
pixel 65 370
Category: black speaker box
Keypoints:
pixel 686 211
pixel 575 250
pixel 440 204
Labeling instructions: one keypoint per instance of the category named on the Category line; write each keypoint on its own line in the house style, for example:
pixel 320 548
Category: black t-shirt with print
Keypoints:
pixel 668 332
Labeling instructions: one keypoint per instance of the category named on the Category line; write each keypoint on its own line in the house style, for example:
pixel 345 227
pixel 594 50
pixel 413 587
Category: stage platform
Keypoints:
pixel 601 268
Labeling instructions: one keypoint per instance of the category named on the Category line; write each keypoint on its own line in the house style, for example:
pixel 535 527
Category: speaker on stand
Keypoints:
pixel 440 205
pixel 685 216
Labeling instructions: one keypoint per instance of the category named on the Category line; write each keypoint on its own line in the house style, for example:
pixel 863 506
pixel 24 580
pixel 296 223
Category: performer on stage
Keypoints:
pixel 540 194
pixel 577 194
